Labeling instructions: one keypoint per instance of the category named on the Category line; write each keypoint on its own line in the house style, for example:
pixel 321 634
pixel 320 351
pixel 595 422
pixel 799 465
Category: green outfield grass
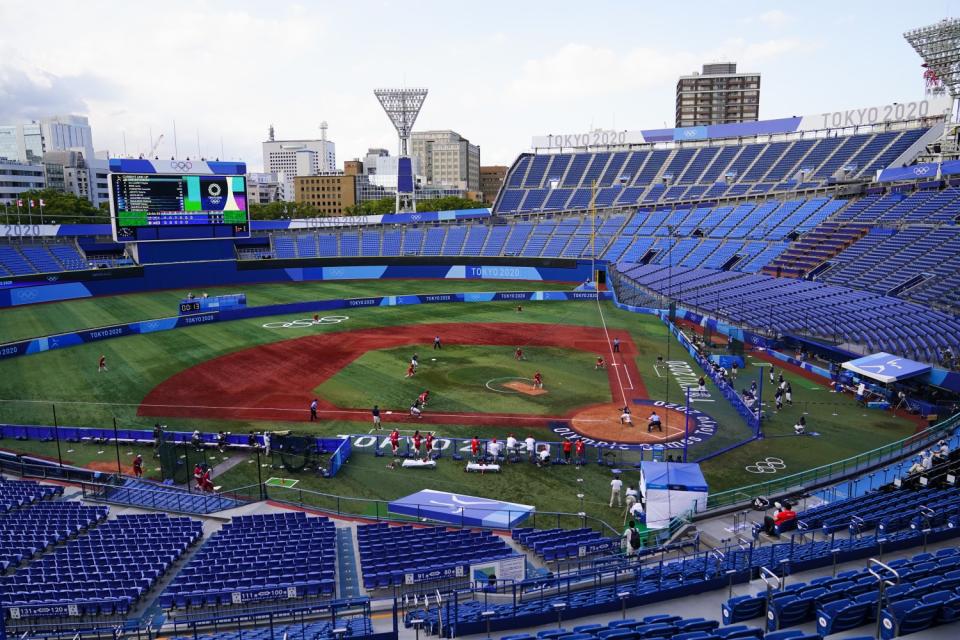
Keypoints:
pixel 58 317
pixel 30 388
pixel 469 379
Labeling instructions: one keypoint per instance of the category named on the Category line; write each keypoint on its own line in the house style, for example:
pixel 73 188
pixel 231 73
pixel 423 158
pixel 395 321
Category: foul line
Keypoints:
pixel 623 393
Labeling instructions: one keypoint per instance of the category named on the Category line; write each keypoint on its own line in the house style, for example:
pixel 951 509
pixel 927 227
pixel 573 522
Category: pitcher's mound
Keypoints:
pixel 523 387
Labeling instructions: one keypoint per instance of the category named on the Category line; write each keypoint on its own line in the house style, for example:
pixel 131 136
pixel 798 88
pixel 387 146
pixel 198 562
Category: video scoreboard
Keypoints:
pixel 150 202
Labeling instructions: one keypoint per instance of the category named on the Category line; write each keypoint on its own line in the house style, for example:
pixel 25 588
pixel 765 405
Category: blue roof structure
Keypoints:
pixel 885 367
pixel 459 509
pixel 675 476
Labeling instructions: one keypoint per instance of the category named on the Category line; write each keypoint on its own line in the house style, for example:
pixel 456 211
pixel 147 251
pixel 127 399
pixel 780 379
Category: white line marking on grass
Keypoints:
pixel 603 320
pixel 656 370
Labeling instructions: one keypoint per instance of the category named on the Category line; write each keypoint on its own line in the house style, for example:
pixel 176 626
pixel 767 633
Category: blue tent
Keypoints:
pixel 681 476
pixel 671 489
pixel 460 509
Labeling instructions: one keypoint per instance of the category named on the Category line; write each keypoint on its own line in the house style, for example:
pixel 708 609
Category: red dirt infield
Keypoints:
pixel 276 381
pixel 602 422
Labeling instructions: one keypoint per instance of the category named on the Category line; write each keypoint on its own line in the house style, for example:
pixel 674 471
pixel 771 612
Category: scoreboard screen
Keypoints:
pixel 153 206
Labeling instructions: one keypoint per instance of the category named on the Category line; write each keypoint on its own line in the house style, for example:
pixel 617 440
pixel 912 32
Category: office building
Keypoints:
pixel 446 159
pixel 288 159
pixel 16 178
pixel 491 179
pixel 70 172
pixel 262 188
pixel 330 193
pixel 371 159
pixel 21 142
pixel 718 95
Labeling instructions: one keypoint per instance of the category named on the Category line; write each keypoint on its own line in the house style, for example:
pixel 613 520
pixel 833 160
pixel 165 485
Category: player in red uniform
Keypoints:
pixel 206 483
pixel 518 354
pixel 537 381
pixel 600 364
pixel 581 450
pixel 102 364
pixel 198 475
pixel 416 441
pixel 138 466
pixel 428 443
pixel 395 441
pixel 475 447
pixel 410 370
pixel 567 450
pixel 423 397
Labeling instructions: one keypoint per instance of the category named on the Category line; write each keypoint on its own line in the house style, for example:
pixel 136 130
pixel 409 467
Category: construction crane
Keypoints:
pixel 153 149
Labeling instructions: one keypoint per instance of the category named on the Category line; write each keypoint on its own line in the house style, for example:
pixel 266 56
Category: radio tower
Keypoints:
pixel 403 107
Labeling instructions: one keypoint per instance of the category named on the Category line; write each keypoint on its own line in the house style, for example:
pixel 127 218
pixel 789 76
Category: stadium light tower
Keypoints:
pixel 403 107
pixel 939 47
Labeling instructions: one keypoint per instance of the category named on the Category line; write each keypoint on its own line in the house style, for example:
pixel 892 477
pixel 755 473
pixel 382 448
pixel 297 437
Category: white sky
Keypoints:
pixel 498 72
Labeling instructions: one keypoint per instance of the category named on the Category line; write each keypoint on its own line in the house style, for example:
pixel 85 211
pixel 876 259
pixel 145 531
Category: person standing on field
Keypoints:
pixel 436 343
pixel 102 364
pixel 616 486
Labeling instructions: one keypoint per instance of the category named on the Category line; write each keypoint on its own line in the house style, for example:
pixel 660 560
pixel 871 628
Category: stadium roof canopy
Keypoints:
pixel 886 368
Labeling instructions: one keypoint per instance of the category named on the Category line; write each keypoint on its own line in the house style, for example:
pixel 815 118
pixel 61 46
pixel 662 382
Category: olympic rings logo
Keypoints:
pixel 303 323
pixel 181 165
pixel 770 465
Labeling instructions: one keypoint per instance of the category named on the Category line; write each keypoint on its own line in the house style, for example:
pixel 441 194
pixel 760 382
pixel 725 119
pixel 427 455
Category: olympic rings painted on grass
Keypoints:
pixel 495 380
pixel 770 465
pixel 303 323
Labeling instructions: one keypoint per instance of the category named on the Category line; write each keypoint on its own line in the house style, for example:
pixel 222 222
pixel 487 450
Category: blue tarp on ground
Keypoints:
pixel 676 476
pixel 885 367
pixel 459 509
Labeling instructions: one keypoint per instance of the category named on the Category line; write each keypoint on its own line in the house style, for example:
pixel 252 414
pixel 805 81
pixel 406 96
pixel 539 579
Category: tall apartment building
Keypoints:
pixel 718 95
pixel 447 159
pixel 370 160
pixel 491 179
pixel 330 193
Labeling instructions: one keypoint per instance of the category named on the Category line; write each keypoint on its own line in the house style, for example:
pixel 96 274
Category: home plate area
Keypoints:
pixel 602 422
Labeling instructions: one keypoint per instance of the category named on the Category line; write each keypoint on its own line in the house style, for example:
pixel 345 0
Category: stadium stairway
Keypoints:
pixel 348 578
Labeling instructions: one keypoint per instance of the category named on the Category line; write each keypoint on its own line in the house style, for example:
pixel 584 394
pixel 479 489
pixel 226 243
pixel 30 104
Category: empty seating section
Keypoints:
pixel 389 553
pixel 31 530
pixel 564 544
pixel 834 313
pixel 288 555
pixel 651 176
pixel 48 257
pixel 105 571
pixel 923 594
pixel 18 493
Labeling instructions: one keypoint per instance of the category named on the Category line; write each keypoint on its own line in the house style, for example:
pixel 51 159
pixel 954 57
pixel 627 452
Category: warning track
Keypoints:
pixel 276 381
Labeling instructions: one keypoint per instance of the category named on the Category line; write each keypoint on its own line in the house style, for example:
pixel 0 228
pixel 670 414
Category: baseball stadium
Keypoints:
pixel 692 383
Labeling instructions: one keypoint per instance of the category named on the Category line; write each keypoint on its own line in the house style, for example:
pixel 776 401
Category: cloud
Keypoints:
pixel 30 96
pixel 775 18
pixel 578 71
